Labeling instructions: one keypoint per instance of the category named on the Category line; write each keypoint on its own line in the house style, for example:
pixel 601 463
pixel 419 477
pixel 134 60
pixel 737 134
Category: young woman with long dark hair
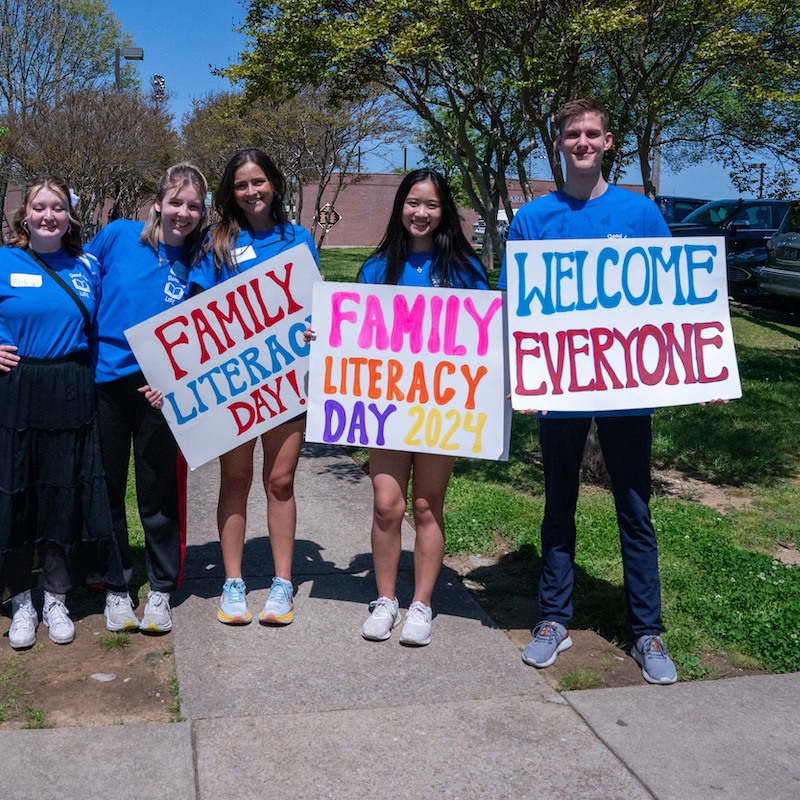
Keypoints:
pixel 424 245
pixel 253 226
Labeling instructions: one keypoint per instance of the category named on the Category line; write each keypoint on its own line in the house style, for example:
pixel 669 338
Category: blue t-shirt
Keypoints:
pixel 615 214
pixel 416 272
pixel 251 249
pixel 36 314
pixel 137 284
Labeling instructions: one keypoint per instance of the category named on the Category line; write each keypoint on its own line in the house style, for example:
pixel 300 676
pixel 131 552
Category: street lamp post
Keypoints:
pixel 129 53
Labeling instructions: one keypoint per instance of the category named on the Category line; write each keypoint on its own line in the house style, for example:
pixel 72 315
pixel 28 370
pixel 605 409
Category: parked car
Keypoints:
pixel 675 209
pixel 479 228
pixel 746 226
pixel 781 276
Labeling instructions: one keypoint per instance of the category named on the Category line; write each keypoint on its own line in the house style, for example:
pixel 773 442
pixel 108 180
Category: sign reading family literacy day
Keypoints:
pixel 607 324
pixel 232 362
pixel 405 368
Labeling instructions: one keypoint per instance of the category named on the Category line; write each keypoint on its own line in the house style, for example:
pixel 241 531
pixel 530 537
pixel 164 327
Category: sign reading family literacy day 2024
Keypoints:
pixel 608 324
pixel 405 368
pixel 232 362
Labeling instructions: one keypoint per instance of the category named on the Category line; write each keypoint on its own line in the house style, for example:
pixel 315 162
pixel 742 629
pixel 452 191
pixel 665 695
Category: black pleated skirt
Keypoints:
pixel 52 485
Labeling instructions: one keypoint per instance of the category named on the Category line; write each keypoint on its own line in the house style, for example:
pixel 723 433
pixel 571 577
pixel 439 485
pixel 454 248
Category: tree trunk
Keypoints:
pixel 5 224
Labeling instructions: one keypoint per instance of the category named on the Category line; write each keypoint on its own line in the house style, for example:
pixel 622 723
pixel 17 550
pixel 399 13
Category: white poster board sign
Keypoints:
pixel 412 369
pixel 231 361
pixel 612 324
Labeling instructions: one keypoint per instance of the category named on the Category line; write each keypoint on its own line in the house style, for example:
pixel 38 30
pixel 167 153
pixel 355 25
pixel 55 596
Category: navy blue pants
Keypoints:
pixel 626 443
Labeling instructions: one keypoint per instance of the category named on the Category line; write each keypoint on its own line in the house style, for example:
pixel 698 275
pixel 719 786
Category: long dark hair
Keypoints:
pixel 232 220
pixel 454 261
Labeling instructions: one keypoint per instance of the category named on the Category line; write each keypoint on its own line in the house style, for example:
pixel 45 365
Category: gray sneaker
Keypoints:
pixel 157 614
pixel 549 639
pixel 417 627
pixel 24 620
pixel 651 655
pixel 119 612
pixel 385 614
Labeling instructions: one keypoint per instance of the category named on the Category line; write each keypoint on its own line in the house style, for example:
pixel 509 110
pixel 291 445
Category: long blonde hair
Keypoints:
pixel 172 180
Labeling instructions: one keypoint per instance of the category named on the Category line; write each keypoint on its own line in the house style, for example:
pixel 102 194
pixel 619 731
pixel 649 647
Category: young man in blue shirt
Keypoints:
pixel 587 207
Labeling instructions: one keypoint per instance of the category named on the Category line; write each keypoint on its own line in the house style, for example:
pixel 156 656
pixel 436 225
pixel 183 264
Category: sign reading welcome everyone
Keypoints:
pixel 612 324
pixel 231 361
pixel 413 369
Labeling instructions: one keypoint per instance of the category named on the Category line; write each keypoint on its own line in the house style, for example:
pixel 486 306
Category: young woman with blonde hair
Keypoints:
pixel 144 269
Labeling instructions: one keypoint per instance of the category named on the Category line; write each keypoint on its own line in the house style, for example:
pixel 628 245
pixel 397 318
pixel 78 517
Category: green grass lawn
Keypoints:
pixel 722 589
pixel 342 263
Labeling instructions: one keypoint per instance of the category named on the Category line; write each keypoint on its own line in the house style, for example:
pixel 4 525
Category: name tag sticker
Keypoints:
pixel 247 253
pixel 20 280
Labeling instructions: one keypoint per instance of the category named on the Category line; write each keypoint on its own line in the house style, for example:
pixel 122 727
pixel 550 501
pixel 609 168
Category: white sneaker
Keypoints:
pixel 417 627
pixel 22 633
pixel 56 616
pixel 385 615
pixel 157 614
pixel 119 612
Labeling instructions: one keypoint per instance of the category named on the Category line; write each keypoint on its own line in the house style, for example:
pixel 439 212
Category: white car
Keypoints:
pixel 479 228
pixel 781 275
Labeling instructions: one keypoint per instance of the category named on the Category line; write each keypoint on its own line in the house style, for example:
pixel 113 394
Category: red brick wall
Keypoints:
pixel 365 206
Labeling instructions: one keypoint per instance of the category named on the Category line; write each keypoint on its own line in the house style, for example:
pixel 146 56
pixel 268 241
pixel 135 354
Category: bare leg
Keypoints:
pixel 281 454
pixel 236 469
pixel 389 470
pixel 428 488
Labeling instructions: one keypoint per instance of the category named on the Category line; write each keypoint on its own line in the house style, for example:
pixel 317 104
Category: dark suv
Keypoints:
pixel 676 209
pixel 746 226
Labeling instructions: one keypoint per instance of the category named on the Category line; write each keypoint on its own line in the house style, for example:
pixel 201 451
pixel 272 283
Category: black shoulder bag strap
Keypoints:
pixel 87 323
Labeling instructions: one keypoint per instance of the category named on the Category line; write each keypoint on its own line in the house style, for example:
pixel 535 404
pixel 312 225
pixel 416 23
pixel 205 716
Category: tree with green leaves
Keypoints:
pixel 48 49
pixel 461 67
pixel 699 78
pixel 312 137
pixel 485 77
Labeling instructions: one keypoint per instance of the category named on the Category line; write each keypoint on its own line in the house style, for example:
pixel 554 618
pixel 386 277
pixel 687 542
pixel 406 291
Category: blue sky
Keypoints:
pixel 184 39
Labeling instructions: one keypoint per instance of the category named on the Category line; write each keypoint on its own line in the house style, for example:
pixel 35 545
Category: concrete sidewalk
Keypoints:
pixel 314 711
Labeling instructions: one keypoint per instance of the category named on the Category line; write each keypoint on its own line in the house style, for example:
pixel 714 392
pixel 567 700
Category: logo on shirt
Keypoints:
pixel 173 289
pixel 80 284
